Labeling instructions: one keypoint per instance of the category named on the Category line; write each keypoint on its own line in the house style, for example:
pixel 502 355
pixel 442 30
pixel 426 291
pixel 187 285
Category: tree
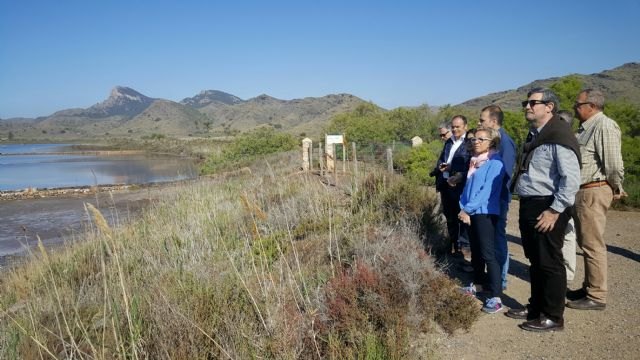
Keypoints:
pixel 516 126
pixel 627 116
pixel 367 123
pixel 567 89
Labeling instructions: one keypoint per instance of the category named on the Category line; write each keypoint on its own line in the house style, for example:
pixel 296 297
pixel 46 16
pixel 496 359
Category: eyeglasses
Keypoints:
pixel 444 134
pixel 578 104
pixel 533 103
pixel 477 139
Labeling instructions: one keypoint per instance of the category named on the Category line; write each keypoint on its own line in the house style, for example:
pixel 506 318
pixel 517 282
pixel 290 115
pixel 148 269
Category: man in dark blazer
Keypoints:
pixel 451 175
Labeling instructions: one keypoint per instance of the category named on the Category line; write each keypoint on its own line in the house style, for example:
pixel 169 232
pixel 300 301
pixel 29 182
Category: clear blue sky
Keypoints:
pixel 64 54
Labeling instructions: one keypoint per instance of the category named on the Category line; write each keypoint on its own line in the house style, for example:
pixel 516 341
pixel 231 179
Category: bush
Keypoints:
pixel 417 162
pixel 246 147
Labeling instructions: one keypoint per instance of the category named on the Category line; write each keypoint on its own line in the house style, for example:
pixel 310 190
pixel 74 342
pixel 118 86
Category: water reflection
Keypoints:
pixel 36 169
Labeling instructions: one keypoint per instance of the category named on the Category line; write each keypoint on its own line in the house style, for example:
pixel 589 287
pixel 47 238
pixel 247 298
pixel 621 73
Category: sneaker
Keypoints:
pixel 469 290
pixel 492 306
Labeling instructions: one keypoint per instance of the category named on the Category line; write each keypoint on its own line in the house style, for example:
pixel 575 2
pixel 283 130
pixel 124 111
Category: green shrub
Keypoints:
pixel 245 148
pixel 417 162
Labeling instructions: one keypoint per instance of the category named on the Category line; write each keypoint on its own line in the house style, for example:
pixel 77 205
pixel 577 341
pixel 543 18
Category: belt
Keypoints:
pixel 594 184
pixel 537 198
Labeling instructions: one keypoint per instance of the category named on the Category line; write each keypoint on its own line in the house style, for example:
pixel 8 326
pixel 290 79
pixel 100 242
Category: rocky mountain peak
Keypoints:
pixel 206 97
pixel 122 101
pixel 123 92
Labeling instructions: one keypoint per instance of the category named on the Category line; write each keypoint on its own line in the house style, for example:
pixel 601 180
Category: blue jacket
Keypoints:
pixel 481 194
pixel 508 153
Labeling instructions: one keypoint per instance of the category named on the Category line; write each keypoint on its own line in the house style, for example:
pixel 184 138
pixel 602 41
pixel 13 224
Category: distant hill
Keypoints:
pixel 296 116
pixel 127 112
pixel 621 83
pixel 211 97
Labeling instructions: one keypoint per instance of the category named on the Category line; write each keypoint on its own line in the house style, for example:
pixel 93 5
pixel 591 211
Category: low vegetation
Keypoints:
pixel 246 147
pixel 264 264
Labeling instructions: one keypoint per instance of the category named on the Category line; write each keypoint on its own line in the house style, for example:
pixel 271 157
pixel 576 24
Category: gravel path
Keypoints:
pixel 610 334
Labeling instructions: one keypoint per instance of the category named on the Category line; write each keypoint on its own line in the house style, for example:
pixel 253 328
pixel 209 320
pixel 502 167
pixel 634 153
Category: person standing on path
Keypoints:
pixel 547 180
pixel 569 245
pixel 601 183
pixel 492 117
pixel 480 209
pixel 453 165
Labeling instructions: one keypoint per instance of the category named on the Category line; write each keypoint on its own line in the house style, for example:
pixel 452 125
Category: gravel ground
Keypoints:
pixel 610 334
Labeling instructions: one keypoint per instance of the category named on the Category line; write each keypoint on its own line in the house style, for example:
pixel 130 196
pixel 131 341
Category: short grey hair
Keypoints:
pixel 445 125
pixel 492 134
pixel 595 97
pixel 547 96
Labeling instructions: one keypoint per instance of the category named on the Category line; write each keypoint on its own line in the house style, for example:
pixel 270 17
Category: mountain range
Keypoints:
pixel 127 112
pixel 620 83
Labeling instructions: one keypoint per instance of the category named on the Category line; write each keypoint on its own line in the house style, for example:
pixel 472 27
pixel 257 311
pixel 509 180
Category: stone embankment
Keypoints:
pixel 34 193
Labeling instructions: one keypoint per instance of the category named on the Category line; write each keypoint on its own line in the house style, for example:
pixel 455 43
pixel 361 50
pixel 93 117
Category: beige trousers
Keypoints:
pixel 569 250
pixel 591 208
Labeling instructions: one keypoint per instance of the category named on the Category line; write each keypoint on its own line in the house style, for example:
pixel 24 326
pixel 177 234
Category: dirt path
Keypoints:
pixel 610 334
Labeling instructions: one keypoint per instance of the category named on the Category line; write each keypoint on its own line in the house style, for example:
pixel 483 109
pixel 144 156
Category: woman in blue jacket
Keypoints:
pixel 480 209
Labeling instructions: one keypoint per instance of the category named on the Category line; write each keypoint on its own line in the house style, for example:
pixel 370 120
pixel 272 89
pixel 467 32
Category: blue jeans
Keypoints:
pixel 502 250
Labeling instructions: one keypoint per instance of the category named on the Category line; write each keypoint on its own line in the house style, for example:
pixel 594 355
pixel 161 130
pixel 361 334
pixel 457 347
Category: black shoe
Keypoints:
pixel 586 304
pixel 521 314
pixel 576 294
pixel 542 324
pixel 518 313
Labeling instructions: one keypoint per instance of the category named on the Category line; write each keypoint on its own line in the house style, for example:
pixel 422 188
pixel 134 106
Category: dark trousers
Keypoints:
pixel 483 252
pixel 450 200
pixel 544 251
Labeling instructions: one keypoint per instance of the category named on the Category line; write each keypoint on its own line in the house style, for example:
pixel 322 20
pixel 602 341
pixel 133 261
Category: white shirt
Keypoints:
pixel 454 148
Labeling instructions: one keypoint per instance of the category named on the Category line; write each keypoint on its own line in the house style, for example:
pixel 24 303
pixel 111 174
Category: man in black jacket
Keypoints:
pixel 451 175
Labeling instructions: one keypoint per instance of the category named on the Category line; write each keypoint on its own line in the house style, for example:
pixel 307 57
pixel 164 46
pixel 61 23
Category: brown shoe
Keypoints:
pixel 586 304
pixel 542 324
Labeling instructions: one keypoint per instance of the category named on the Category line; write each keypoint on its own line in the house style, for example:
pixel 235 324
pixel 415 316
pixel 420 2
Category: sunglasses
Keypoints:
pixel 477 139
pixel 578 104
pixel 533 103
pixel 444 134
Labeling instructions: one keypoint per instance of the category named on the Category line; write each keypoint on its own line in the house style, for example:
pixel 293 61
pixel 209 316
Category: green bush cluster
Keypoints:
pixel 246 147
pixel 369 124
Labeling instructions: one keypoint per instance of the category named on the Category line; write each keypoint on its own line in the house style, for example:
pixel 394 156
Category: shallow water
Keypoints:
pixel 43 166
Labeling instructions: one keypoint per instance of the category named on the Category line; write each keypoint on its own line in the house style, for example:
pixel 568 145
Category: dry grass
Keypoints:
pixel 262 264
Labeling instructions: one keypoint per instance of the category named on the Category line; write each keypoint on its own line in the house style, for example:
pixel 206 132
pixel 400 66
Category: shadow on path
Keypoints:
pixel 624 253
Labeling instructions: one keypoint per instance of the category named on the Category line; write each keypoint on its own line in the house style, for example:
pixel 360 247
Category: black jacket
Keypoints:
pixel 459 164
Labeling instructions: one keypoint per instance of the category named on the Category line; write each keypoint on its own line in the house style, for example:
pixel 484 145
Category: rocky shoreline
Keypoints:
pixel 35 193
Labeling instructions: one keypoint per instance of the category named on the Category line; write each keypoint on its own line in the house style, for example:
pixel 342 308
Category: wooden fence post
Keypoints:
pixel 335 168
pixel 320 158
